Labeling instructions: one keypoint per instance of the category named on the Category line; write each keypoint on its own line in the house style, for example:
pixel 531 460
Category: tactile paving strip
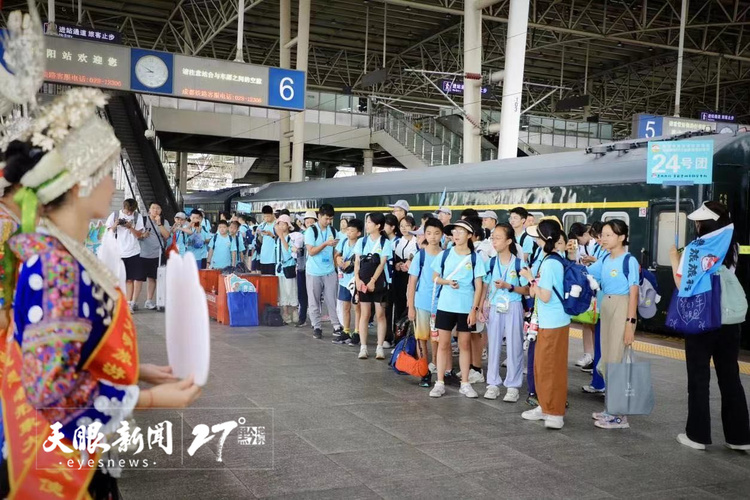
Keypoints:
pixel 660 350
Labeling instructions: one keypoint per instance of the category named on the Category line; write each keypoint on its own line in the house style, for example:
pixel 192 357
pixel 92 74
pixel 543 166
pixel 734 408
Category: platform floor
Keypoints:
pixel 352 429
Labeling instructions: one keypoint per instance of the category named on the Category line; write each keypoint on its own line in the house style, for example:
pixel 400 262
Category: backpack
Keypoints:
pixel 733 299
pixel 422 255
pixel 248 238
pixel 442 269
pixel 369 263
pixel 315 231
pixel 407 345
pixel 644 275
pixel 492 266
pixel 272 316
pixel 574 275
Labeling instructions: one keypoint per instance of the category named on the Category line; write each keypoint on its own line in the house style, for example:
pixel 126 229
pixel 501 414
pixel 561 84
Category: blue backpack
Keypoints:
pixel 408 344
pixel 574 274
pixel 492 266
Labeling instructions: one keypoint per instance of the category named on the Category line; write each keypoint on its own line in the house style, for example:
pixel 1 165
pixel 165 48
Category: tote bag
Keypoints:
pixel 243 308
pixel 629 389
pixel 697 314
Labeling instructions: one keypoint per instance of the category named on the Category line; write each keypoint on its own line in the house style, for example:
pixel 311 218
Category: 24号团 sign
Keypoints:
pixel 683 162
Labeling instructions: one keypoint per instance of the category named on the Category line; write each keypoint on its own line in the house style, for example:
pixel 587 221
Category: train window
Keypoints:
pixel 623 216
pixel 570 218
pixel 348 215
pixel 665 235
pixel 537 215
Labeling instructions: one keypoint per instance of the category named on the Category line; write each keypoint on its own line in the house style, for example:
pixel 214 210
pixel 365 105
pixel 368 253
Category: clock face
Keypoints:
pixel 151 71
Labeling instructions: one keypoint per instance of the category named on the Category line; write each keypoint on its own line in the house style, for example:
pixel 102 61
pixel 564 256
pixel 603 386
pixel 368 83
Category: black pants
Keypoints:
pixel 400 286
pixel 723 345
pixel 302 295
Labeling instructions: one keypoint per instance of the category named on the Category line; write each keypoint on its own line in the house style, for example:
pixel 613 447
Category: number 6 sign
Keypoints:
pixel 286 88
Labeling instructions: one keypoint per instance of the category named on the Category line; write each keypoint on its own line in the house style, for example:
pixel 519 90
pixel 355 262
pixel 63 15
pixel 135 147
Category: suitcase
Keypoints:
pixel 161 287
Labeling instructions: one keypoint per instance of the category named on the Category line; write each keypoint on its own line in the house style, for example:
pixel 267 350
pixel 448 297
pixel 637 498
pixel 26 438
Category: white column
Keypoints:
pixel 515 54
pixel 303 48
pixel 368 155
pixel 182 173
pixel 680 53
pixel 52 28
pixel 240 30
pixel 472 87
pixel 80 12
pixel 285 126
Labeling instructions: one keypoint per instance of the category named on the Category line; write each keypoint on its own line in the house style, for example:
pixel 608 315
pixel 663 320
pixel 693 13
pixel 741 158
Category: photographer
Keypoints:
pixel 128 229
pixel 198 238
pixel 156 232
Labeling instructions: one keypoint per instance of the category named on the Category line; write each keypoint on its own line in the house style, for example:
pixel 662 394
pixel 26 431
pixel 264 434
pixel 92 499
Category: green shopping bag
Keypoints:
pixel 588 317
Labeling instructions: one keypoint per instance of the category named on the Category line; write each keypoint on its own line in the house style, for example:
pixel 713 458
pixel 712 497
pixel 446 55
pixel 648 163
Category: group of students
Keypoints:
pixel 474 285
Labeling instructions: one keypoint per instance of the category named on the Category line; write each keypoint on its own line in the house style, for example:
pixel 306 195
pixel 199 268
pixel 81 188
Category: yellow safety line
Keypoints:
pixel 527 206
pixel 660 350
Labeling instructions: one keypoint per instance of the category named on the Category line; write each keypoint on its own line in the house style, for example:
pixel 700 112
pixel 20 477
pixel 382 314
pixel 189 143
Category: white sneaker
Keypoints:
pixel 512 395
pixel 492 392
pixel 438 390
pixel 132 306
pixel 475 377
pixel 585 359
pixel 468 391
pixel 432 368
pixel 736 447
pixel 505 363
pixel 592 390
pixel 686 441
pixel 379 354
pixel 387 345
pixel 554 422
pixel 363 352
pixel 150 305
pixel 535 414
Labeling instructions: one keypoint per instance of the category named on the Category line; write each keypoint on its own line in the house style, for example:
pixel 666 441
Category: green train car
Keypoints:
pixel 602 183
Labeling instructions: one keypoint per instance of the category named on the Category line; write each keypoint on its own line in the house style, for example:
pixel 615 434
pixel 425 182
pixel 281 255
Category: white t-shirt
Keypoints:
pixel 129 245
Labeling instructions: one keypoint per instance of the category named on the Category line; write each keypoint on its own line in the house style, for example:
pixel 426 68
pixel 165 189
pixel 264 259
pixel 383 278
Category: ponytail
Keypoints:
pixel 550 231
pixel 471 245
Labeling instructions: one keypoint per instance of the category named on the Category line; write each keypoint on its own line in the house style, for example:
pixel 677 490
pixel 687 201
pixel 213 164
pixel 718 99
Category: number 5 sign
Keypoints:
pixel 684 162
pixel 286 88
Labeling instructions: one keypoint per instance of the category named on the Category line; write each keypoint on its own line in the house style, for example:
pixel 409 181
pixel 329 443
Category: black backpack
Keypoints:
pixel 272 316
pixel 315 231
pixel 369 263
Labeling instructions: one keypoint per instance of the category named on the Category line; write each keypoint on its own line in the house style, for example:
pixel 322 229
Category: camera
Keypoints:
pixel 122 222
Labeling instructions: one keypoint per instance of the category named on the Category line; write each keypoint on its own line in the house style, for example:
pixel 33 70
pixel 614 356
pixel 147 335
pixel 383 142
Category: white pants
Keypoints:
pixel 510 326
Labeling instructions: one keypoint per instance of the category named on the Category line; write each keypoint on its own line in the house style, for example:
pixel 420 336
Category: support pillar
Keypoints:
pixel 515 54
pixel 680 54
pixel 285 126
pixel 51 27
pixel 472 86
pixel 368 156
pixel 303 49
pixel 718 84
pixel 80 12
pixel 240 30
pixel 182 172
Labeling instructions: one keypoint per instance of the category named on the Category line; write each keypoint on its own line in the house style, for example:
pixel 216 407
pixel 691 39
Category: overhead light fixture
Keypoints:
pixel 408 8
pixel 619 44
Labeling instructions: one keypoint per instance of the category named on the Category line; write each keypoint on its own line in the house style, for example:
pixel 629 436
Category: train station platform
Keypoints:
pixel 353 429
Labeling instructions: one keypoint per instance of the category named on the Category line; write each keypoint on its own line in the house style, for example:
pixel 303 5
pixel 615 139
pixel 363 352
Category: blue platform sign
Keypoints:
pixel 649 126
pixel 680 162
pixel 286 88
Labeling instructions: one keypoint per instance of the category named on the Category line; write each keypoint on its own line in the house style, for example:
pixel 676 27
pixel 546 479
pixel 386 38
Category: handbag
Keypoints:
pixel 733 298
pixel 243 308
pixel 407 363
pixel 589 317
pixel 629 388
pixel 697 314
pixel 290 272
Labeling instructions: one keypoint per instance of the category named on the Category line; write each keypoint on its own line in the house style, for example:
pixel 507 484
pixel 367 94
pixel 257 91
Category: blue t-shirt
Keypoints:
pixel 608 272
pixel 423 295
pixel 321 264
pixel 238 244
pixel 385 251
pixel 507 274
pixel 461 300
pixel 347 253
pixel 268 244
pixel 285 257
pixel 528 244
pixel 196 244
pixel 551 314
pixel 223 248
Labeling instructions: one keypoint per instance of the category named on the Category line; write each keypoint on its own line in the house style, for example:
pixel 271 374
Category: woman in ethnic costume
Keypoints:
pixel 72 359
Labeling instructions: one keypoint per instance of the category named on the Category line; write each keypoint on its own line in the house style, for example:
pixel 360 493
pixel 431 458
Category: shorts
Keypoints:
pixel 288 292
pixel 450 320
pixel 344 294
pixel 268 269
pixel 132 268
pixel 378 297
pixel 422 325
pixel 255 265
pixel 147 269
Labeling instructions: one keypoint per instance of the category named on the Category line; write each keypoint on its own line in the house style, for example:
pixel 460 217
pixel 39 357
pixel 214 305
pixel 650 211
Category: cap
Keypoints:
pixel 488 214
pixel 462 224
pixel 443 210
pixel 704 213
pixel 418 232
pixel 180 215
pixel 285 218
pixel 310 214
pixel 552 217
pixel 647 299
pixel 402 204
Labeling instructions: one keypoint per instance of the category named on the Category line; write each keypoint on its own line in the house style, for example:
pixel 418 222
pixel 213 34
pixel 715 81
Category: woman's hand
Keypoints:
pixel 480 314
pixel 371 286
pixel 629 334
pixel 502 285
pixel 532 289
pixel 156 375
pixel 472 319
pixel 526 273
pixel 454 284
pixel 674 254
pixel 172 395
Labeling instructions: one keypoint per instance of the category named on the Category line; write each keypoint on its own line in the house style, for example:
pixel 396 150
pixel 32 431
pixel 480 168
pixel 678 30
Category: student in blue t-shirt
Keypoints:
pixel 238 244
pixel 371 280
pixel 266 235
pixel 420 295
pixel 551 350
pixel 517 219
pixel 344 256
pixel 619 304
pixel 459 273
pixel 221 253
pixel 503 292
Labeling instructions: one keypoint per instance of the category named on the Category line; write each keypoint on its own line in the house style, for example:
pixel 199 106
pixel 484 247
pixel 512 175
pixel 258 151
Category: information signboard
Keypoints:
pixel 225 81
pixel 97 35
pixel 680 162
pixel 77 62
